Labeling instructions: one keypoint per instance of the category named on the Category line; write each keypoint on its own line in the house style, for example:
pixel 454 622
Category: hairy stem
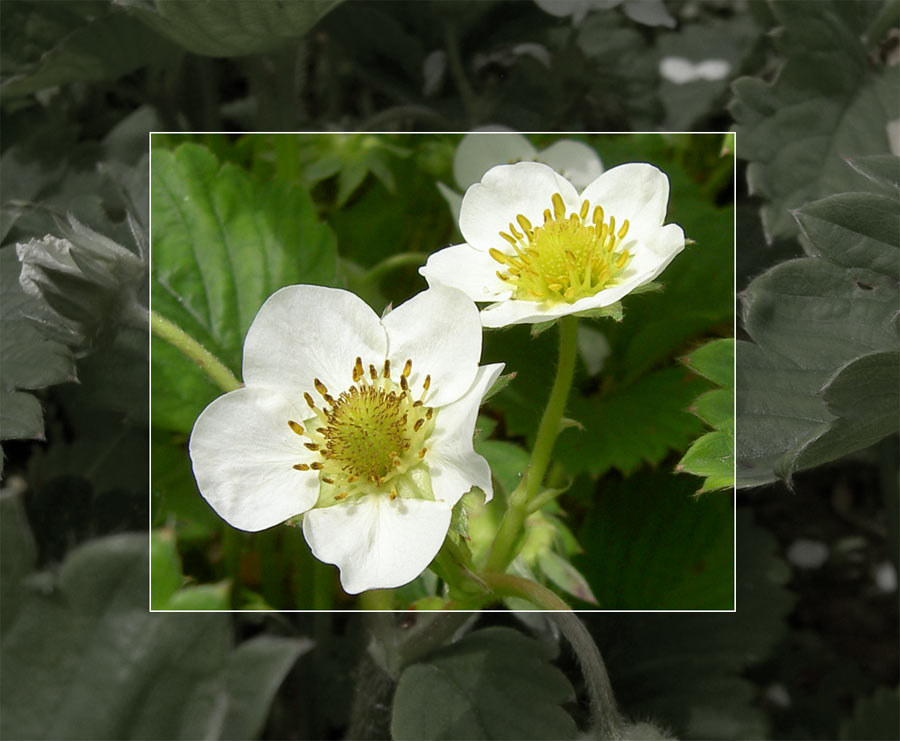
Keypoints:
pixel 507 585
pixel 190 348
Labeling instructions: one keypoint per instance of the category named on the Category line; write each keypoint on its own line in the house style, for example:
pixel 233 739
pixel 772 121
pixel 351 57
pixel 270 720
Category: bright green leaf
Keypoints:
pixel 201 597
pixel 655 546
pixel 222 243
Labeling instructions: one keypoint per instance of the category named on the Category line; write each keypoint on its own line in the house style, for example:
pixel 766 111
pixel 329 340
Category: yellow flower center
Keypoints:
pixel 372 434
pixel 566 258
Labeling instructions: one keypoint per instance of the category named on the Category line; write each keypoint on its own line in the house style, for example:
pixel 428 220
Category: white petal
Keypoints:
pixel 574 160
pixel 375 542
pixel 506 191
pixel 243 451
pixel 505 313
pixel 454 465
pixel 636 191
pixel 471 271
pixel 439 330
pixel 479 152
pixel 307 332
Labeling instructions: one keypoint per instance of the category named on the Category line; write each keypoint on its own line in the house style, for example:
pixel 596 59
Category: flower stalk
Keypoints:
pixel 190 348
pixel 512 524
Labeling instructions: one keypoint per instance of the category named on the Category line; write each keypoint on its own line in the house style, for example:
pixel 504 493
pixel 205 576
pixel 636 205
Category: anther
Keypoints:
pixel 524 223
pixel 426 384
pixel 585 207
pixel 320 387
pixel 422 452
pixel 327 480
pixel 511 240
pixel 498 256
pixel 387 368
pixel 309 400
pixel 418 425
pixel 372 372
pixel 311 446
pixel 559 208
pixel 351 478
pixel 514 231
pixel 623 258
pixel 598 215
pixel 393 494
pixel 339 497
pixel 429 412
pixel 404 384
pixel 316 466
pixel 357 370
pixel 407 368
pixel 298 428
pixel 624 230
pixel 300 467
pixel 612 224
pixel 546 215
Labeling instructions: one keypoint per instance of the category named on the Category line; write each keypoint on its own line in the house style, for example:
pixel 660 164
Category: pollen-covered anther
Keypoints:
pixel 570 256
pixel 372 431
pixel 295 426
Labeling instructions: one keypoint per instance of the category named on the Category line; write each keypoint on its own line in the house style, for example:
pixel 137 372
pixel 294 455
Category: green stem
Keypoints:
pixel 507 585
pixel 377 272
pixel 190 348
pixel 504 548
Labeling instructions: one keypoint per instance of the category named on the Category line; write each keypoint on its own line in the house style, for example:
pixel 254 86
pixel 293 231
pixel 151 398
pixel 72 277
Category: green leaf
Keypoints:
pixel 874 718
pixel 105 47
pixel 495 683
pixel 165 568
pixel 229 28
pixel 201 597
pixel 222 243
pixel 30 359
pixel 633 424
pixel 565 576
pixel 93 644
pixel 655 546
pixel 715 361
pixel 508 461
pixel 796 130
pixel 712 454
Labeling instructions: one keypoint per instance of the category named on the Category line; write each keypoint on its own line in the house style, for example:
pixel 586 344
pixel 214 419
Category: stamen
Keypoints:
pixel 393 494
pixel 511 240
pixel 372 372
pixel 598 215
pixel 320 387
pixel 429 412
pixel 327 480
pixel 316 466
pixel 498 256
pixel 387 368
pixel 624 230
pixel 339 497
pixel 585 207
pixel 300 467
pixel 426 384
pixel 407 369
pixel 524 223
pixel 298 428
pixel 404 384
pixel 418 425
pixel 422 452
pixel 357 370
pixel 309 400
pixel 559 208
pixel 311 446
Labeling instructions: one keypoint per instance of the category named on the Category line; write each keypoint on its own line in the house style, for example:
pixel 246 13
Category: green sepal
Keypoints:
pixel 613 311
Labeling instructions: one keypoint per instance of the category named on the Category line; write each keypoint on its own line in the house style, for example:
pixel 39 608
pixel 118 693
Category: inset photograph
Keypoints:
pixel 442 371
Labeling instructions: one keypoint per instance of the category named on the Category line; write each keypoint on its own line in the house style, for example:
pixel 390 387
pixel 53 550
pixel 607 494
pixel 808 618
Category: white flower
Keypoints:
pixel 363 424
pixel 538 250
pixel 479 151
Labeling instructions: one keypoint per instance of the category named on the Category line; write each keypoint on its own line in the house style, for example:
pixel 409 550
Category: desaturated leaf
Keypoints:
pixel 229 28
pixel 874 718
pixel 17 555
pixel 222 243
pixel 30 359
pixel 689 669
pixel 495 683
pixel 796 130
pixel 93 644
pixel 105 47
pixel 883 169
